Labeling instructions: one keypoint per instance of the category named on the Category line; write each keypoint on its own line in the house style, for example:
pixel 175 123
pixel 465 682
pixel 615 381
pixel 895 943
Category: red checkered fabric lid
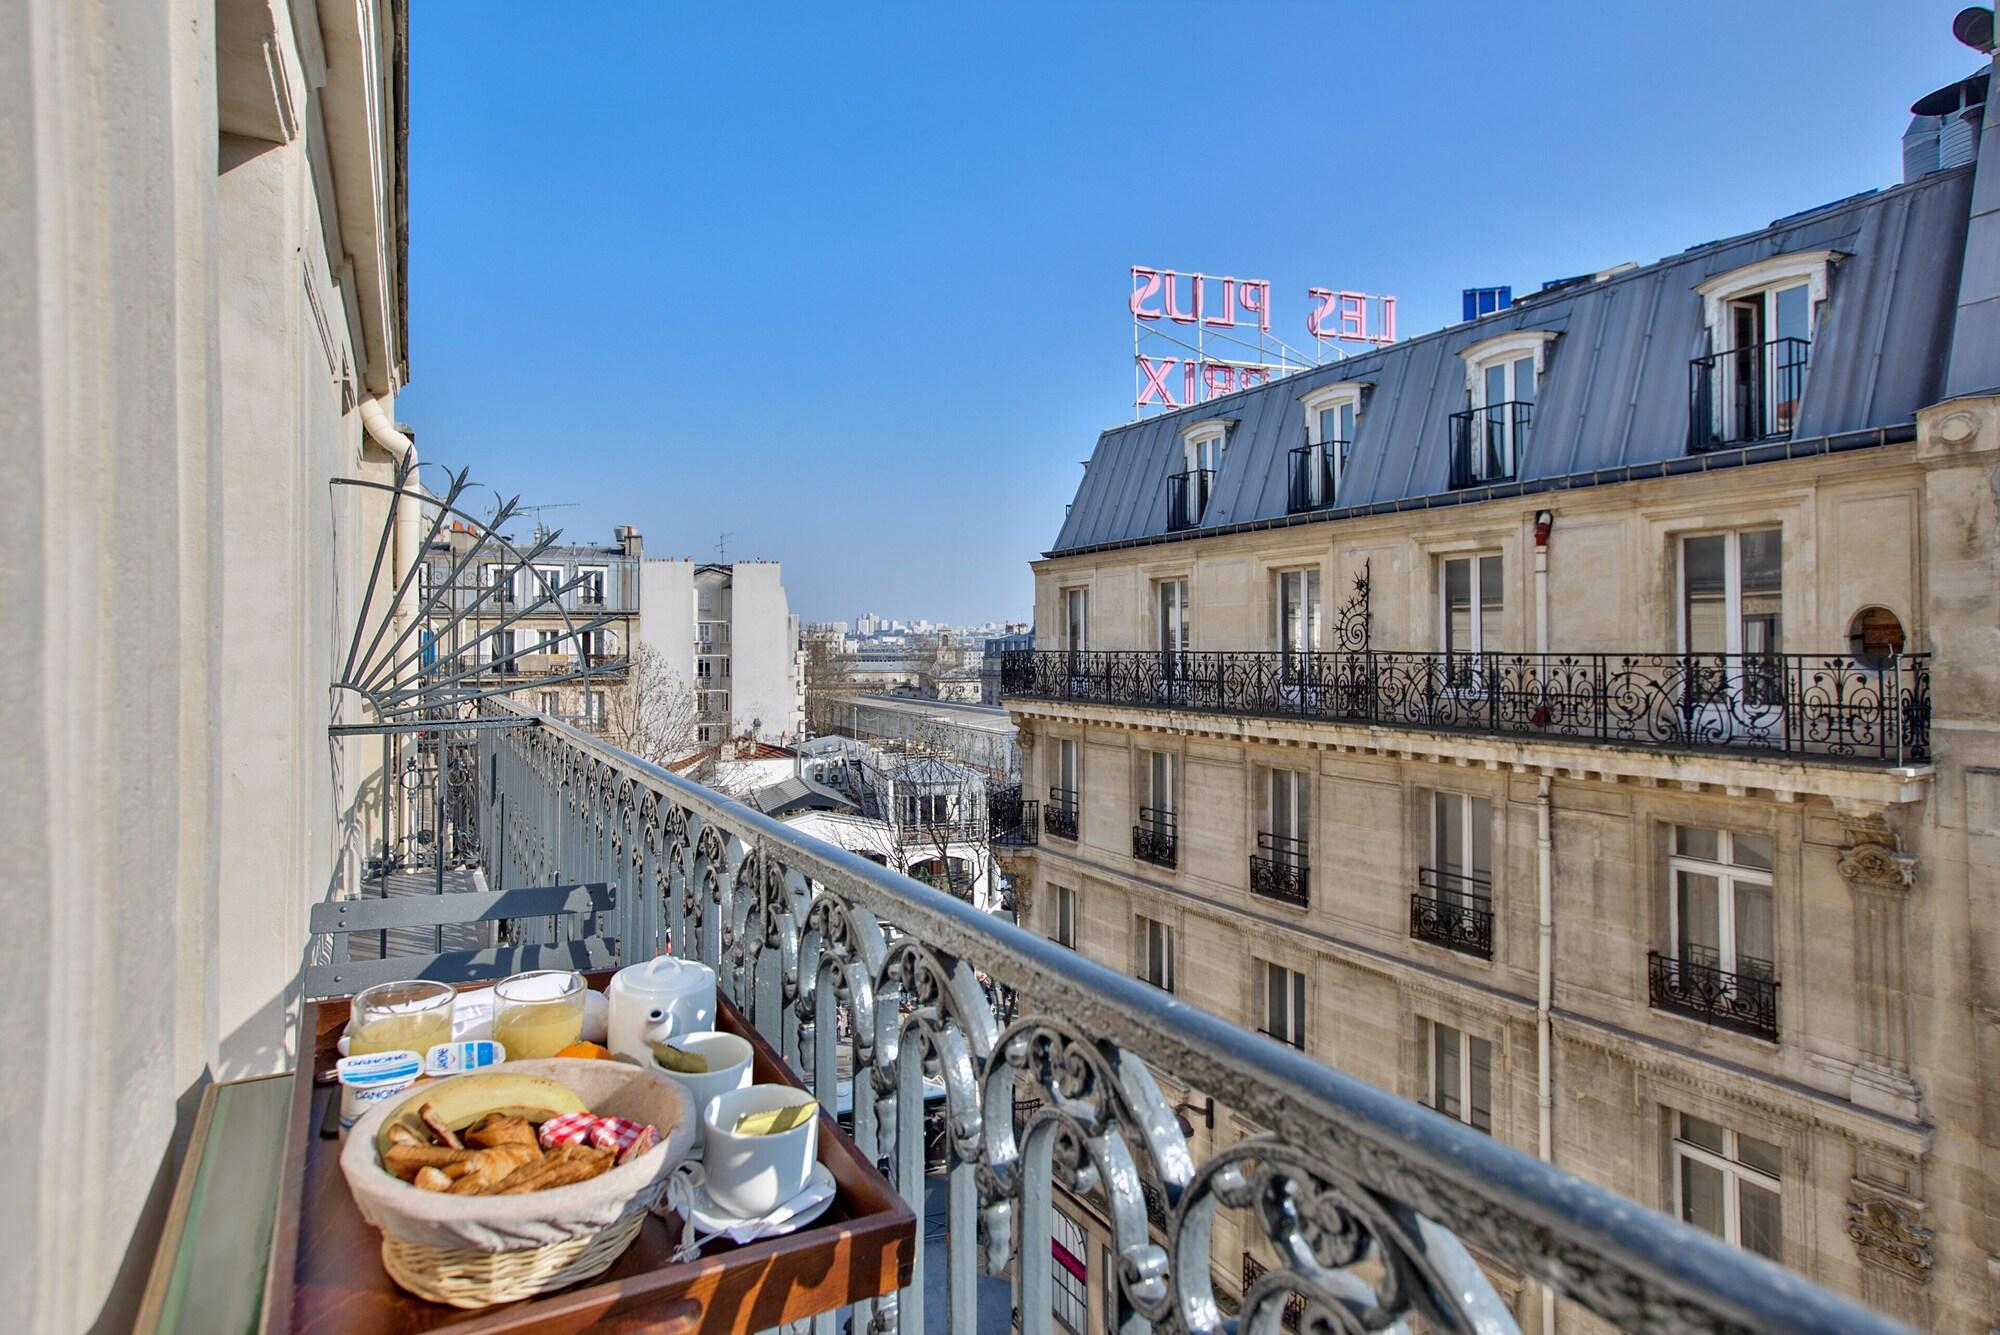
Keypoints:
pixel 606 1133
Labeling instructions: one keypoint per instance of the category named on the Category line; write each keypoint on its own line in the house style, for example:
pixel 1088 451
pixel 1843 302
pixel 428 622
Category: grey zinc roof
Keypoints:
pixel 1614 393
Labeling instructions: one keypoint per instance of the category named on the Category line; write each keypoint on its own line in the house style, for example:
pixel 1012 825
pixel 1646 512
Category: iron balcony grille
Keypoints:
pixel 1295 1306
pixel 1838 706
pixel 1016 820
pixel 1746 394
pixel 1187 498
pixel 1746 1001
pixel 1279 870
pixel 1059 816
pixel 1153 838
pixel 1453 911
pixel 1314 476
pixel 1486 443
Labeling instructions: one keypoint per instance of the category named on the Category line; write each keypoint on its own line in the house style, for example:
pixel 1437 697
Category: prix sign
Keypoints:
pixel 1234 312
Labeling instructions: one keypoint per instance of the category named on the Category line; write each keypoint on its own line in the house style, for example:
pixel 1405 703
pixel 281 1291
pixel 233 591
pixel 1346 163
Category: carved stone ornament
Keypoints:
pixel 1886 1229
pixel 1878 864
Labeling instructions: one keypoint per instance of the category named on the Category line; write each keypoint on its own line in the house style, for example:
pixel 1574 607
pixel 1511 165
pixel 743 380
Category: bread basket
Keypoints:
pixel 473 1251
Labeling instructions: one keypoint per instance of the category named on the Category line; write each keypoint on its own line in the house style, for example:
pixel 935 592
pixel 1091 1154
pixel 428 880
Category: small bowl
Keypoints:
pixel 728 1068
pixel 750 1176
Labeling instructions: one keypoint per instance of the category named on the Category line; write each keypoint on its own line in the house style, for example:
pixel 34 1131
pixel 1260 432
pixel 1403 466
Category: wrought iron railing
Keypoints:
pixel 1059 816
pixel 1486 443
pixel 1834 705
pixel 1016 820
pixel 1453 911
pixel 1695 984
pixel 1187 498
pixel 1746 394
pixel 1153 838
pixel 1313 478
pixel 1280 870
pixel 1379 1204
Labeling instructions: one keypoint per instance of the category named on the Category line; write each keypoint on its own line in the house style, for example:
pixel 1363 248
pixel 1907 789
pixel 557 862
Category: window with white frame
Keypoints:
pixel 1472 597
pixel 1069 1259
pixel 1284 1003
pixel 1157 813
pixel 1202 448
pixel 1170 606
pixel 591 592
pixel 1732 592
pixel 1502 379
pixel 1461 1076
pixel 1761 321
pixel 550 702
pixel 1332 415
pixel 1076 620
pixel 593 708
pixel 1462 844
pixel 549 642
pixel 503 647
pixel 1287 816
pixel 1062 915
pixel 1721 910
pixel 1295 618
pixel 1730 1184
pixel 544 583
pixel 500 578
pixel 1156 963
pixel 1066 772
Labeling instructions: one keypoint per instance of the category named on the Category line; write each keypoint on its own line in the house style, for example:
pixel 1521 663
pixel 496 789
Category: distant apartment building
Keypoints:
pixel 1583 720
pixel 539 624
pixel 729 631
pixel 996 649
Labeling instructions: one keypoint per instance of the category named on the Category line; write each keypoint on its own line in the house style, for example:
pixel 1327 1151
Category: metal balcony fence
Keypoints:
pixel 1833 705
pixel 1016 820
pixel 1187 498
pixel 1153 838
pixel 1486 443
pixel 1746 394
pixel 1059 816
pixel 1453 911
pixel 1280 870
pixel 1313 478
pixel 1381 1203
pixel 1694 983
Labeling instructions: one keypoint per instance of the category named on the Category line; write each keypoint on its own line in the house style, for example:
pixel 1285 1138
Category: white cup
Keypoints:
pixel 728 1068
pixel 749 1176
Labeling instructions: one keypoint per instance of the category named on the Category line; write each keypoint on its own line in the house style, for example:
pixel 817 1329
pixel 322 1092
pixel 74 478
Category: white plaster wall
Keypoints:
pixel 666 612
pixel 763 652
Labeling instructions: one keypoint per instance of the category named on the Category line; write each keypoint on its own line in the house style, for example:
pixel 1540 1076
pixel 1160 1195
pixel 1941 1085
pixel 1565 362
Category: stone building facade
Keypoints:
pixel 1586 721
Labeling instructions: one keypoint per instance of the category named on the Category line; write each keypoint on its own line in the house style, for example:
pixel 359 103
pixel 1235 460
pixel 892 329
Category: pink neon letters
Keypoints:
pixel 1344 316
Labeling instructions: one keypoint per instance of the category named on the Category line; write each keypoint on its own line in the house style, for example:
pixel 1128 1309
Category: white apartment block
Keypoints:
pixel 729 630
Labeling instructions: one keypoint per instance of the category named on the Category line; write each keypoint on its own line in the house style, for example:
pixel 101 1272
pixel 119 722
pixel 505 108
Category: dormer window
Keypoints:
pixel 1202 447
pixel 1317 466
pixel 1502 377
pixel 1760 321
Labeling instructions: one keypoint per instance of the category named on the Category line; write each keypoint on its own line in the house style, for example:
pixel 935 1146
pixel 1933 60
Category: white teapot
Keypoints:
pixel 657 1000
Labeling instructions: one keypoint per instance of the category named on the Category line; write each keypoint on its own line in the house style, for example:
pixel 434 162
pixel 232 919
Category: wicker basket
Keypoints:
pixel 473 1251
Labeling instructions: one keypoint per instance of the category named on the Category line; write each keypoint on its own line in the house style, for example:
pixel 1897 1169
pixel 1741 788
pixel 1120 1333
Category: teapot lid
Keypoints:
pixel 662 976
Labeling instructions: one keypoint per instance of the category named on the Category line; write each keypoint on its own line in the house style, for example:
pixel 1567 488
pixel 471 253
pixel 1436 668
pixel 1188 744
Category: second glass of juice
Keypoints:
pixel 538 1014
pixel 395 1017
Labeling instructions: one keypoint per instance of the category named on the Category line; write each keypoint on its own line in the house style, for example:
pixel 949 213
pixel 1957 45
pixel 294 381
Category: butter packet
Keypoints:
pixel 773 1121
pixel 679 1060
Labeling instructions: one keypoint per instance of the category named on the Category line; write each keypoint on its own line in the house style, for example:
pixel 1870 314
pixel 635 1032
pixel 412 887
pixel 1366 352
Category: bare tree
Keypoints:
pixel 657 718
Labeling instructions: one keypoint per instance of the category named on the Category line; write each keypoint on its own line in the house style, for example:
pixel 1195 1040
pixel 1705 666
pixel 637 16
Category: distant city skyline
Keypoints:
pixel 870 327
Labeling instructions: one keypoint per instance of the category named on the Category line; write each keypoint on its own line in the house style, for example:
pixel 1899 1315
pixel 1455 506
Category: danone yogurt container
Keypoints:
pixel 367 1080
pixel 465 1055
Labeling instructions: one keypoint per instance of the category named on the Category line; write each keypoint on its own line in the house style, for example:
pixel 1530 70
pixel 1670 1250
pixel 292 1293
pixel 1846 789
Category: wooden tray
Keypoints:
pixel 326 1275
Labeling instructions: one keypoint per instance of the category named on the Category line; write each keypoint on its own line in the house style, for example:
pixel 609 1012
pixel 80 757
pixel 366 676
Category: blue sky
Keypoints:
pixel 849 281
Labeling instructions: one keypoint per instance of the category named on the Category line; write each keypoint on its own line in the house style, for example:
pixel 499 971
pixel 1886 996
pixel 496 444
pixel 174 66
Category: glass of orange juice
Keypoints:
pixel 538 1014
pixel 393 1017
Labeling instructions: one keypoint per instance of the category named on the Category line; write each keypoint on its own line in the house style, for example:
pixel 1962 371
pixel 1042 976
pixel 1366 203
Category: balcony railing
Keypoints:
pixel 1279 869
pixel 1059 816
pixel 1833 705
pixel 1313 476
pixel 1187 498
pixel 1746 394
pixel 828 952
pixel 1453 911
pixel 1486 443
pixel 1696 985
pixel 1016 820
pixel 1153 838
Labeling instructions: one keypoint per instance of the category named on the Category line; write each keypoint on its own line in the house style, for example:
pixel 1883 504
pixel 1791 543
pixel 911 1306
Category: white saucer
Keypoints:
pixel 711 1218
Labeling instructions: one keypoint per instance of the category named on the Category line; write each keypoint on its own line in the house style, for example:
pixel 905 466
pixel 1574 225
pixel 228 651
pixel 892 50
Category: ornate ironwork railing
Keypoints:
pixel 1313 477
pixel 1154 839
pixel 1836 705
pixel 1059 816
pixel 1016 820
pixel 1746 394
pixel 1746 1001
pixel 1486 443
pixel 1453 911
pixel 1187 498
pixel 1374 1204
pixel 1279 869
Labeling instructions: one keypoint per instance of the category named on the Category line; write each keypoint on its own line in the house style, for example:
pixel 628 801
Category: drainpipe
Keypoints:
pixel 382 430
pixel 1545 917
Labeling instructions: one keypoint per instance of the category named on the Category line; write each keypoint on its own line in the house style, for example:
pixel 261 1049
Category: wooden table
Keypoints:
pixel 326 1275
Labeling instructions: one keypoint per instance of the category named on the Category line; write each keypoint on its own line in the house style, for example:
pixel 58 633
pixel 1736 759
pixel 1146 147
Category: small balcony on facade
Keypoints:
pixel 1694 983
pixel 1486 443
pixel 1059 816
pixel 1016 820
pixel 1874 709
pixel 1453 911
pixel 1313 476
pixel 1187 498
pixel 1746 394
pixel 1280 870
pixel 1154 839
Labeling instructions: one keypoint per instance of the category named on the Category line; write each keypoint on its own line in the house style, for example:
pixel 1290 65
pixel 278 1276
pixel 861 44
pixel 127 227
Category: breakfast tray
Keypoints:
pixel 326 1275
